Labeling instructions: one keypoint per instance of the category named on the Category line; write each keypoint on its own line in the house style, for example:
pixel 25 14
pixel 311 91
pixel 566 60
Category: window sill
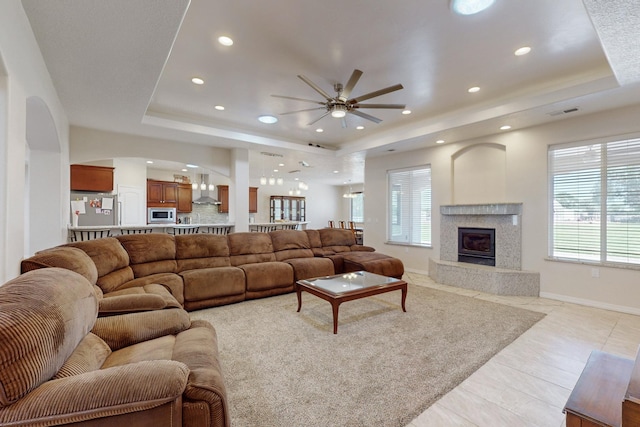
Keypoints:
pixel 607 264
pixel 411 245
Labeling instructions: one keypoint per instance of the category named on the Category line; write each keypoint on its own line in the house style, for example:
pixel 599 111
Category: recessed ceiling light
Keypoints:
pixel 505 127
pixel 473 89
pixel 319 130
pixel 440 141
pixel 470 7
pixel 522 51
pixel 184 170
pixel 268 119
pixel 197 81
pixel 150 162
pixel 276 170
pixel 219 107
pixel 281 164
pixel 405 112
pixel 191 166
pixel 225 41
pixel 359 127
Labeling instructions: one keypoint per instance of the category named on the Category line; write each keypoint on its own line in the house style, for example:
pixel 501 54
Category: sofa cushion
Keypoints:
pixel 336 239
pixel 73 259
pixel 140 298
pixel 373 262
pixel 172 281
pixel 288 244
pixel 44 314
pixel 248 247
pixel 207 283
pixel 150 253
pixel 88 356
pixel 107 254
pixel 315 242
pixel 201 251
pixel 263 276
pixel 129 329
pixel 307 268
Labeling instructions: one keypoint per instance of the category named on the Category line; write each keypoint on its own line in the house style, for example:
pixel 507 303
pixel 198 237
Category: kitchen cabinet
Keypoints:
pixel 185 198
pixel 162 194
pixel 91 178
pixel 253 199
pixel 287 208
pixel 223 198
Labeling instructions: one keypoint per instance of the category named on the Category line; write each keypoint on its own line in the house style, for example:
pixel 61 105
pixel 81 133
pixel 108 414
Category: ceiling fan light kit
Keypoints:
pixel 341 104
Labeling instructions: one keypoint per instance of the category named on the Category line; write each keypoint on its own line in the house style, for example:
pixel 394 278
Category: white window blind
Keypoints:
pixel 595 201
pixel 357 208
pixel 409 218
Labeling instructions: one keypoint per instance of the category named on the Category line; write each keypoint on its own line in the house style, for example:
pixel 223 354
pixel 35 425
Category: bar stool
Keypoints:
pixel 82 235
pixel 136 230
pixel 224 230
pixel 342 224
pixel 332 224
pixel 186 230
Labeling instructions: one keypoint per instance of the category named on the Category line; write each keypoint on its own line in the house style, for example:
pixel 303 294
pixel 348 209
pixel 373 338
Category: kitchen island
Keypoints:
pixel 88 232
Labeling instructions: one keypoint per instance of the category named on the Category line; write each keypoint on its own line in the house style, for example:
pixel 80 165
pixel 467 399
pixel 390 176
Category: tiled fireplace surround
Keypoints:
pixel 507 277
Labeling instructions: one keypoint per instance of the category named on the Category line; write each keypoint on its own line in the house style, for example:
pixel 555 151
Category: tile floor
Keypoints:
pixel 529 381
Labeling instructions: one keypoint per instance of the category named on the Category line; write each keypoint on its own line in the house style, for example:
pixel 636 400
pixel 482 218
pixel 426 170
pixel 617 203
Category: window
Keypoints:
pixel 409 218
pixel 595 201
pixel 357 207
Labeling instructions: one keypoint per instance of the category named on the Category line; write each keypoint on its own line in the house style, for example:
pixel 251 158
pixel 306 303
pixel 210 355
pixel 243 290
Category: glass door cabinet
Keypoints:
pixel 287 208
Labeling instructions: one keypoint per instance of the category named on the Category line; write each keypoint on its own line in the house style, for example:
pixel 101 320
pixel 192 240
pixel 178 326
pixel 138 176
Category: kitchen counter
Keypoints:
pixel 87 232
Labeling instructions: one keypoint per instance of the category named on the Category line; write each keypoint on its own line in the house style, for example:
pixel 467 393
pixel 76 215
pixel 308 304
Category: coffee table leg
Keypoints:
pixel 299 292
pixel 404 297
pixel 335 305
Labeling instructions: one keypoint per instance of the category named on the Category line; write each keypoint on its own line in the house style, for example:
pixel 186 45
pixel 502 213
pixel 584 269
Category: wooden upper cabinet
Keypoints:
pixel 162 194
pixel 91 178
pixel 185 198
pixel 223 198
pixel 253 199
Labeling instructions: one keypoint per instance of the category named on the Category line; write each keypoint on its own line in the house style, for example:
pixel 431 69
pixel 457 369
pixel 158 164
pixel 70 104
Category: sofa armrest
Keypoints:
pixel 127 329
pixel 97 394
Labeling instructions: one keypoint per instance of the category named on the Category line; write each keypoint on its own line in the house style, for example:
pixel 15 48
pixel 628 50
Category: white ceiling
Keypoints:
pixel 126 66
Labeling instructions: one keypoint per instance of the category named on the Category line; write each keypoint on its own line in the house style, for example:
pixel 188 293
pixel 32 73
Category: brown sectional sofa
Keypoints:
pixel 125 299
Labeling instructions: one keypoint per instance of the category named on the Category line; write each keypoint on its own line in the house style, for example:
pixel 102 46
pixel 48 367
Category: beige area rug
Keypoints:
pixel 383 368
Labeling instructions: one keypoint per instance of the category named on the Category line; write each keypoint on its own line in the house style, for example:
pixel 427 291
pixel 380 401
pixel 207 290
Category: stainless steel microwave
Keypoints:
pixel 161 216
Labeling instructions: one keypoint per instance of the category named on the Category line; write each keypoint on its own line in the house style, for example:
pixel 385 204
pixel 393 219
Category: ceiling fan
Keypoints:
pixel 338 106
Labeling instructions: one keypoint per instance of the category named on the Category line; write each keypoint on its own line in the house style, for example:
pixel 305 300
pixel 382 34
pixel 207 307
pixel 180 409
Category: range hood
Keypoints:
pixel 205 198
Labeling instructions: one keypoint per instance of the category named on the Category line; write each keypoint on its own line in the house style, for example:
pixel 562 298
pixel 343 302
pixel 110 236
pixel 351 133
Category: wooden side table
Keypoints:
pixel 597 398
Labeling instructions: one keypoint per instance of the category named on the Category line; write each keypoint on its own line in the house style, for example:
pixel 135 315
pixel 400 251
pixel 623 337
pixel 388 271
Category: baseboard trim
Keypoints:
pixel 413 270
pixel 591 303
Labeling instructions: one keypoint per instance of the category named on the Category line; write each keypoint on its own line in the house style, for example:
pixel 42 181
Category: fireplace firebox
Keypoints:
pixel 477 245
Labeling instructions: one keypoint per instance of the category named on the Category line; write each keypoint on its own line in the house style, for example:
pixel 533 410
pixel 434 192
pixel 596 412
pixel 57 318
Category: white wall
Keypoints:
pixel 526 182
pixel 27 76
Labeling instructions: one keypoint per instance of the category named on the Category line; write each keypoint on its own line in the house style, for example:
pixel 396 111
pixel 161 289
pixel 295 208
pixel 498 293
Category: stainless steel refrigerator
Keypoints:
pixel 98 208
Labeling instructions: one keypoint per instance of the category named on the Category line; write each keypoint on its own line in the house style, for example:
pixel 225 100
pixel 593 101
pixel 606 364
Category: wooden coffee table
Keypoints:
pixel 349 286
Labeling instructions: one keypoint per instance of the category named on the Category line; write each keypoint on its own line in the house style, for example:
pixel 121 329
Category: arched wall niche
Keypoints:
pixel 479 174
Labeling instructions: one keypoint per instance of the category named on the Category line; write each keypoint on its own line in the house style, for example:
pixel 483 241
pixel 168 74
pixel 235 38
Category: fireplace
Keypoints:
pixel 477 245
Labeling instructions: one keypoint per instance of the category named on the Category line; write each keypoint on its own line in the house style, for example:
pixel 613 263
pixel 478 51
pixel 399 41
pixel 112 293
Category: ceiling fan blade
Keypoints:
pixel 353 80
pixel 298 99
pixel 315 87
pixel 396 106
pixel 300 111
pixel 318 119
pixel 376 93
pixel 365 116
